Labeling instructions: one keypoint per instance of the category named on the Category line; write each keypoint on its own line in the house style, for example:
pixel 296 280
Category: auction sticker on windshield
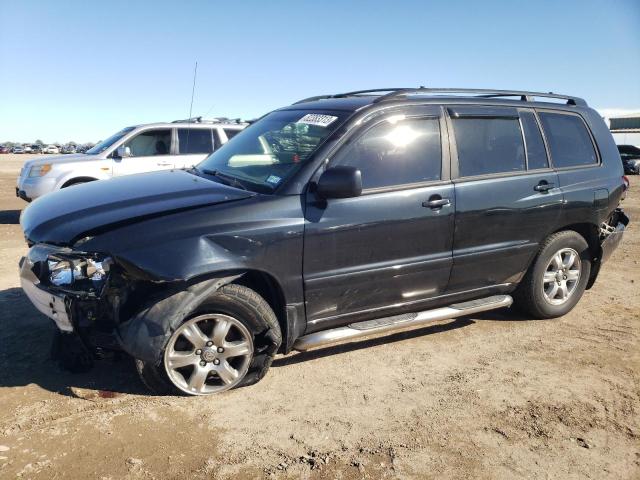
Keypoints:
pixel 273 179
pixel 317 119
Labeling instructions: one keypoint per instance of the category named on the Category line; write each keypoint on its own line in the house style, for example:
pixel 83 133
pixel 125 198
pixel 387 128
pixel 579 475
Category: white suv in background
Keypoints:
pixel 143 148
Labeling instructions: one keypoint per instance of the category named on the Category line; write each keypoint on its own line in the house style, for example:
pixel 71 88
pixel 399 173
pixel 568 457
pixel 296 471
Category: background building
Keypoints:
pixel 625 126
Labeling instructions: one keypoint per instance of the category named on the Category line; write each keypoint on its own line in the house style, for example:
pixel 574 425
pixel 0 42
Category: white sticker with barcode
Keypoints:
pixel 317 119
pixel 273 179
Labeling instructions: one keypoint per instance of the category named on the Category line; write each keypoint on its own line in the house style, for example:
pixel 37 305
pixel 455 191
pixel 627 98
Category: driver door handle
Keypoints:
pixel 543 186
pixel 437 203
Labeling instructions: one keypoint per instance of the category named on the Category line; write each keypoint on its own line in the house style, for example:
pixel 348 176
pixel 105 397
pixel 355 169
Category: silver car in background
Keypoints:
pixel 137 149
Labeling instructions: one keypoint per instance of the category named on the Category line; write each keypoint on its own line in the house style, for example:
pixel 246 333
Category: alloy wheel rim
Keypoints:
pixel 208 354
pixel 562 276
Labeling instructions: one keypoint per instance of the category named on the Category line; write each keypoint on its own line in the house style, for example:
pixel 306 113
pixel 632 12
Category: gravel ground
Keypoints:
pixel 489 396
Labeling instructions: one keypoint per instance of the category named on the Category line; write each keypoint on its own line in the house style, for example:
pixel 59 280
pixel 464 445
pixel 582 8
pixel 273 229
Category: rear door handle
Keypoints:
pixel 436 203
pixel 544 186
pixel 164 164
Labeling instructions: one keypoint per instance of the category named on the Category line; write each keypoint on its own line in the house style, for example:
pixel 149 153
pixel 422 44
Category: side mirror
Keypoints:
pixel 340 182
pixel 123 151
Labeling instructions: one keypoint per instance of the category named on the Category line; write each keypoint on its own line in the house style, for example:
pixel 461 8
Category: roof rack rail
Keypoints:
pixel 480 92
pixel 312 99
pixel 348 94
pixel 525 96
pixel 210 120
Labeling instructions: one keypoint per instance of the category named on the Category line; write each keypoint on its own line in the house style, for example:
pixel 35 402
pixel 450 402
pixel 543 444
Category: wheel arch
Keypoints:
pixel 268 287
pixel 168 303
pixel 74 180
pixel 591 233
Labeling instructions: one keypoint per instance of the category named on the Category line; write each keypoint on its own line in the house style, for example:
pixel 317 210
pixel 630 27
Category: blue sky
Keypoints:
pixel 82 70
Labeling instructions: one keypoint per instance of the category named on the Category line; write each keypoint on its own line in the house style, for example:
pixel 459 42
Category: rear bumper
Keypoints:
pixel 613 237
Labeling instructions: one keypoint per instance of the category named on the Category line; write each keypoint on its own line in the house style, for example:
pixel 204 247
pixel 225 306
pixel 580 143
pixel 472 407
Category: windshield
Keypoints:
pixel 273 148
pixel 103 145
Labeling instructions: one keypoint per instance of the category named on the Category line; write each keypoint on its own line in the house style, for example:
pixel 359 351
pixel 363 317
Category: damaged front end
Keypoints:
pixel 81 292
pixel 102 305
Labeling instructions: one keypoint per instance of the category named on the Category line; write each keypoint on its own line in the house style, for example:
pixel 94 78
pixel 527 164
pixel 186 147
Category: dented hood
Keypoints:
pixel 64 216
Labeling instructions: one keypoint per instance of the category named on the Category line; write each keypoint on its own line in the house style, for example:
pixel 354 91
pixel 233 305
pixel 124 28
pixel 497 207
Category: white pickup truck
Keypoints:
pixel 138 149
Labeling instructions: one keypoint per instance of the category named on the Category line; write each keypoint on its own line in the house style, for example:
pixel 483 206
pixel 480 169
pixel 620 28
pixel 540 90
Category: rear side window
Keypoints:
pixel 536 153
pixel 150 143
pixel 569 141
pixel 394 153
pixel 194 140
pixel 488 145
pixel 231 133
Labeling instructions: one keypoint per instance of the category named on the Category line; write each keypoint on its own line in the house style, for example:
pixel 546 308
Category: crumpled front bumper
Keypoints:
pixel 52 304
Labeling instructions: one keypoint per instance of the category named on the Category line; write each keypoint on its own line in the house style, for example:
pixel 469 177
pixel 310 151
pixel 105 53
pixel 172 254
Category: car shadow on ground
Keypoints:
pixel 503 314
pixel 361 344
pixel 26 338
pixel 10 217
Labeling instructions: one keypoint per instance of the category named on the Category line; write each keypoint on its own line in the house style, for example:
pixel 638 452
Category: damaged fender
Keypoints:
pixel 145 334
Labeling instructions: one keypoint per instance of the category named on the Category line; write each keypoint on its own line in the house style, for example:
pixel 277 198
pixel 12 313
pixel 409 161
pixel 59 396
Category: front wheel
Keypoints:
pixel 229 342
pixel 557 278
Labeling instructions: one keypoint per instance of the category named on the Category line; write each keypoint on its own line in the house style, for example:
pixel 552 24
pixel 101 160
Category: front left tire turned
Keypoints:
pixel 229 342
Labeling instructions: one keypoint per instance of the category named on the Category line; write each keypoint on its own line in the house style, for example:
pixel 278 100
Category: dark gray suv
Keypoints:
pixel 334 218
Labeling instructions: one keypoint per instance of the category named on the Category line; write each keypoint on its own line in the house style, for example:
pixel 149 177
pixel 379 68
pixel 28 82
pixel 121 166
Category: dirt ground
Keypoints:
pixel 491 396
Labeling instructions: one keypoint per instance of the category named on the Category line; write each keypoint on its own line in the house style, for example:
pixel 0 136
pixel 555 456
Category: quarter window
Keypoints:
pixel 396 152
pixel 195 140
pixel 150 143
pixel 230 133
pixel 536 153
pixel 569 141
pixel 488 145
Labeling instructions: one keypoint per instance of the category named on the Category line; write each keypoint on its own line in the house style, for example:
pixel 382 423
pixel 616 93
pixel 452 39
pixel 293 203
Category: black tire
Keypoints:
pixel 73 183
pixel 249 308
pixel 529 296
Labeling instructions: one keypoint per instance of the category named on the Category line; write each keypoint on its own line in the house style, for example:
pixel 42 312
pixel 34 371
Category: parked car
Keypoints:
pixel 35 148
pixel 138 149
pixel 69 149
pixel 17 149
pixel 51 149
pixel 630 155
pixel 326 221
pixel 27 149
pixel 4 149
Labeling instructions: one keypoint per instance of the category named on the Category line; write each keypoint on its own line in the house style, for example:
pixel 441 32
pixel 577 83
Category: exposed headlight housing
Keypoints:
pixel 67 271
pixel 39 170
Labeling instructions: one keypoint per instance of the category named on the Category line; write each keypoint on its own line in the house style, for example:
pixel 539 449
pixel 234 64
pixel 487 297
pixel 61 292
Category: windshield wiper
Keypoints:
pixel 227 179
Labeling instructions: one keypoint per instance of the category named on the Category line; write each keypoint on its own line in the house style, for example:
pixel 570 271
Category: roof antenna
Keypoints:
pixel 193 89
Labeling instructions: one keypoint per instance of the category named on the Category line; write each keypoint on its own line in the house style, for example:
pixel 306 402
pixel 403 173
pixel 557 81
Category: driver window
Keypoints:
pixel 150 143
pixel 396 152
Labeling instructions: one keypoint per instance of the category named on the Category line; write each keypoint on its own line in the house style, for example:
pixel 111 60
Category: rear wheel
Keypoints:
pixel 557 278
pixel 229 342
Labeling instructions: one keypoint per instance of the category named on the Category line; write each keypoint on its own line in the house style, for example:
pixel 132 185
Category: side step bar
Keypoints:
pixel 399 322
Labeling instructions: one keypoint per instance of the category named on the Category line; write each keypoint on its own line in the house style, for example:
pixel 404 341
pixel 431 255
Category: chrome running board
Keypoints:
pixel 399 322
